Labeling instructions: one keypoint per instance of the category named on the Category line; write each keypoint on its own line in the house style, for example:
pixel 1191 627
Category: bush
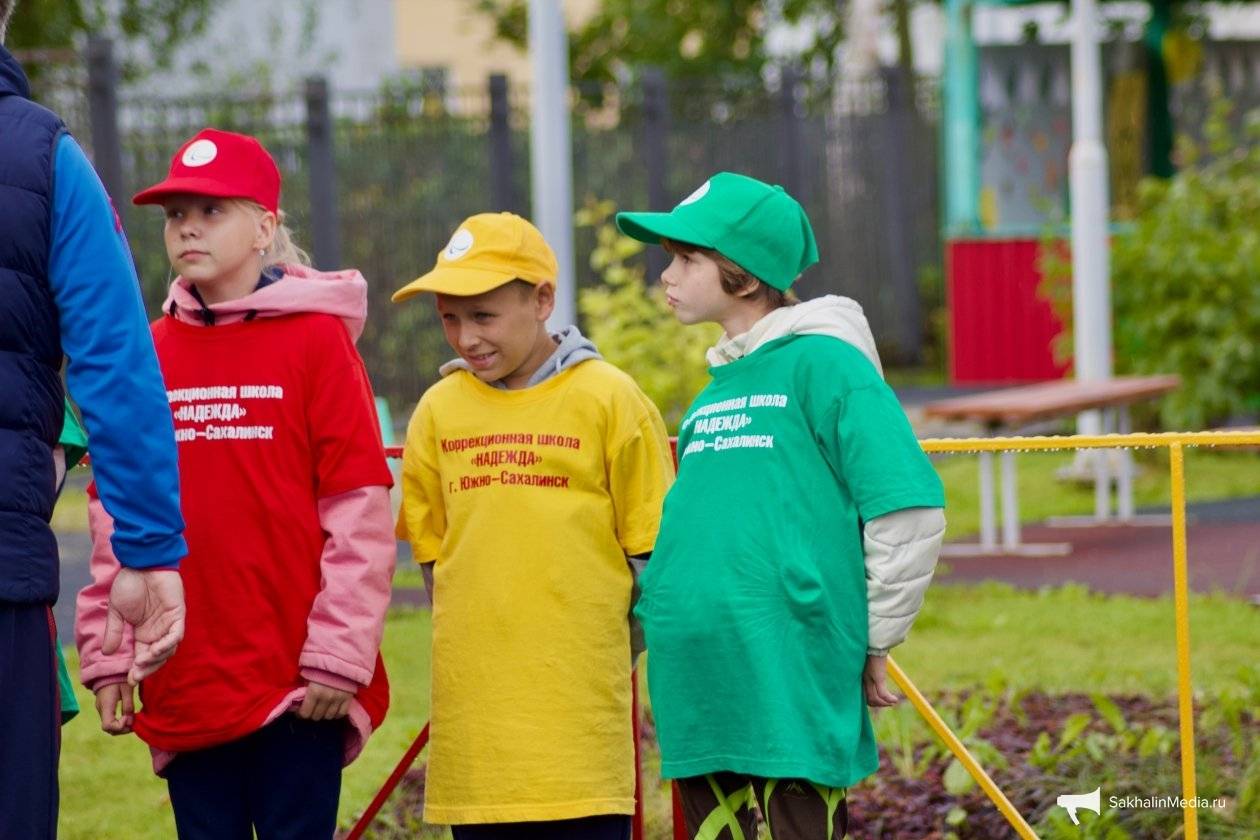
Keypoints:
pixel 1184 278
pixel 633 326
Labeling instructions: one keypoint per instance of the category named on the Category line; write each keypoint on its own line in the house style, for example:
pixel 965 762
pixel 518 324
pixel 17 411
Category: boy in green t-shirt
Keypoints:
pixel 798 540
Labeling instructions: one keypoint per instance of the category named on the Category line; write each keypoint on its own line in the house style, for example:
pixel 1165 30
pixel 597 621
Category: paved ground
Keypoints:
pixel 1223 546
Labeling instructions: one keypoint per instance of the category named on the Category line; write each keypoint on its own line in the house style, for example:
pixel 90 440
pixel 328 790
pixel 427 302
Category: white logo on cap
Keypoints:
pixel 200 153
pixel 700 193
pixel 459 244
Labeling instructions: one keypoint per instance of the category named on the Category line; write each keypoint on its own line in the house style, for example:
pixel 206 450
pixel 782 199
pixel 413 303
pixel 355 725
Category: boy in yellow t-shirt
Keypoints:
pixel 531 472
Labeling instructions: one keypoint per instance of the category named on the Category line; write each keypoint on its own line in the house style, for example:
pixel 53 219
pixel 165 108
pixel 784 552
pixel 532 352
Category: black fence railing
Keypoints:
pixel 378 179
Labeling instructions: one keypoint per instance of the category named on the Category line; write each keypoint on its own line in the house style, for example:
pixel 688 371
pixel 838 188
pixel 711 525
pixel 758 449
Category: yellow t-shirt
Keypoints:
pixel 529 501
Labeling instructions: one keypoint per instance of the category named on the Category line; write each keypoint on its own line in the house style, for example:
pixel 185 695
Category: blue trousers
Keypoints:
pixel 30 726
pixel 283 780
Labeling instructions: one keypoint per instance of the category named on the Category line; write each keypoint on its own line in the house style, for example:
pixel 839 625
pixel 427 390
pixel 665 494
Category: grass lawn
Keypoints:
pixel 1056 640
pixel 1071 639
pixel 109 792
pixel 409 577
pixel 70 514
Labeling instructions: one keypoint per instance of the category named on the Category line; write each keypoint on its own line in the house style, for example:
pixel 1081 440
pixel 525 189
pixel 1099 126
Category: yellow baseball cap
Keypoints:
pixel 485 252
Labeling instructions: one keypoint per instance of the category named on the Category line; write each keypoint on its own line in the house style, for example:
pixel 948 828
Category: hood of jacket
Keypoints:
pixel 833 315
pixel 573 349
pixel 299 289
pixel 12 79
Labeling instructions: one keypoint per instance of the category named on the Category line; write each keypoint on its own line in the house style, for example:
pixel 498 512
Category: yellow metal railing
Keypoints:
pixel 960 751
pixel 1175 443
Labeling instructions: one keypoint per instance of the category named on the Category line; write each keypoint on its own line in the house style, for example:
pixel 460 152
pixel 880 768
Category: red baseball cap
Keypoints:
pixel 223 164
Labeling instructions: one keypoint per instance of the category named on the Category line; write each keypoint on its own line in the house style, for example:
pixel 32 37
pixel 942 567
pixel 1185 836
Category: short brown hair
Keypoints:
pixel 523 287
pixel 735 280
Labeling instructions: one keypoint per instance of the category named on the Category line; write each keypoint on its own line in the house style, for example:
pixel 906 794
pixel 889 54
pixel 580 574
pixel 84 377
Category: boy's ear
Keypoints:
pixel 544 300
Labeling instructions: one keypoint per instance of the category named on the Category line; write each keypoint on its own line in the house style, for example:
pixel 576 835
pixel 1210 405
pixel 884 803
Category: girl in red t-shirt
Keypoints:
pixel 285 494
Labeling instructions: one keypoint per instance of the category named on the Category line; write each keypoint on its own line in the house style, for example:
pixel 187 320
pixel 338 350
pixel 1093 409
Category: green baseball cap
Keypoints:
pixel 759 227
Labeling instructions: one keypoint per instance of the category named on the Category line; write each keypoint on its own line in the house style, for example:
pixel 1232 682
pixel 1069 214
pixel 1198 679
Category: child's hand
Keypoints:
pixel 153 603
pixel 874 686
pixel 107 702
pixel 323 702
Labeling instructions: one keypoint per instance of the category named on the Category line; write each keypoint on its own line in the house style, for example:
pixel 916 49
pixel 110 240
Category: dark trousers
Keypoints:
pixel 722 805
pixel 607 827
pixel 30 721
pixel 283 780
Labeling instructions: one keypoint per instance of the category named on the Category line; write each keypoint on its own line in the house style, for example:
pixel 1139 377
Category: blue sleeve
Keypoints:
pixel 113 372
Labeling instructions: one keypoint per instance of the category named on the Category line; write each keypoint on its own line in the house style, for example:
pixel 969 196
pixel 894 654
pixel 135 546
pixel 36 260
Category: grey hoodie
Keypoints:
pixel 901 547
pixel 833 315
pixel 574 348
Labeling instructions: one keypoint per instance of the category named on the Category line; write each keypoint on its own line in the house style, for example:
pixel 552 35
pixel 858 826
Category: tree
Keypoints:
pixel 683 37
pixel 1183 277
pixel 159 25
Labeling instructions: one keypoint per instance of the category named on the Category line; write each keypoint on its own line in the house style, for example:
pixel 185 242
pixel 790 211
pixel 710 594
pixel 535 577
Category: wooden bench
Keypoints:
pixel 1009 410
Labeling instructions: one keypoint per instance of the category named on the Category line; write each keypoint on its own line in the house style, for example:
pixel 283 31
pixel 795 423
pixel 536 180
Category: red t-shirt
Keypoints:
pixel 271 415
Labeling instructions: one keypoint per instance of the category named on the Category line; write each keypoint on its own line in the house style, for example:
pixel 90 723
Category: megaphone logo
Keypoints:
pixel 1088 801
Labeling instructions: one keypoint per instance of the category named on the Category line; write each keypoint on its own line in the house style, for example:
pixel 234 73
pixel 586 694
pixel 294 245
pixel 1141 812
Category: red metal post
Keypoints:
pixel 636 827
pixel 680 824
pixel 392 782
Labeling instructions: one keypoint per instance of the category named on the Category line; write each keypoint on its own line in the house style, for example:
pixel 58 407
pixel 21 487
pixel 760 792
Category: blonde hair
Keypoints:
pixel 282 250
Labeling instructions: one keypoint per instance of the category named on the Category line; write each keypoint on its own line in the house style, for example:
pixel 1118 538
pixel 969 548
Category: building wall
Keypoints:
pixel 451 34
pixel 248 44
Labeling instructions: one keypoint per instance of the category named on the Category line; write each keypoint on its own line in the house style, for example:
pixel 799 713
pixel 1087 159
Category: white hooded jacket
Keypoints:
pixel 900 548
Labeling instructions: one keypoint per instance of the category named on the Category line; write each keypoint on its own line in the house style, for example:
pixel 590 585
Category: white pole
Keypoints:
pixel 551 147
pixel 1091 282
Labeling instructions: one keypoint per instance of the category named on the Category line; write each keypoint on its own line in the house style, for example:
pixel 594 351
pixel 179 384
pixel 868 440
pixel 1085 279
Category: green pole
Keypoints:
pixel 961 123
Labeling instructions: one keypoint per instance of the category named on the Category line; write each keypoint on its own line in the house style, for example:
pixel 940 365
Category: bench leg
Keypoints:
pixel 1124 480
pixel 988 504
pixel 1012 543
pixel 1010 502
pixel 1102 473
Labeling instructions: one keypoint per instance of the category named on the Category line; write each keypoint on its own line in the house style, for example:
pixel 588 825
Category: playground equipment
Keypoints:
pixel 1007 176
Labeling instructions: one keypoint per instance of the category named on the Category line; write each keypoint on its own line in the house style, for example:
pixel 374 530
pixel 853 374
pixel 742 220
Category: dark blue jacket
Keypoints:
pixel 68 288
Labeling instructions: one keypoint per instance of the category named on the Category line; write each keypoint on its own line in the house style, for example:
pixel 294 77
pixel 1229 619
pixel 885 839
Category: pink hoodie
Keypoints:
pixel 357 565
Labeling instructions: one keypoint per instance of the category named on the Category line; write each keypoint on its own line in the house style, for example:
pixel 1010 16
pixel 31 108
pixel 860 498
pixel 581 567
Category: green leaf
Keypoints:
pixel 957 780
pixel 1042 754
pixel 1110 712
pixel 1073 727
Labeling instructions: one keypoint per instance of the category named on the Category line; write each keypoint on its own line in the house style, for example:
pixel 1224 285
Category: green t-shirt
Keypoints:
pixel 74 441
pixel 73 438
pixel 754 601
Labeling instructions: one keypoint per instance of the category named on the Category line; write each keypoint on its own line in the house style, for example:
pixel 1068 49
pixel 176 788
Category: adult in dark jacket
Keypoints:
pixel 68 290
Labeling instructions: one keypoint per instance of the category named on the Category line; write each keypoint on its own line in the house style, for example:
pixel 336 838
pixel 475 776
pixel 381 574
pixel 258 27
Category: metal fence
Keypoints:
pixel 1229 70
pixel 1026 122
pixel 379 179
